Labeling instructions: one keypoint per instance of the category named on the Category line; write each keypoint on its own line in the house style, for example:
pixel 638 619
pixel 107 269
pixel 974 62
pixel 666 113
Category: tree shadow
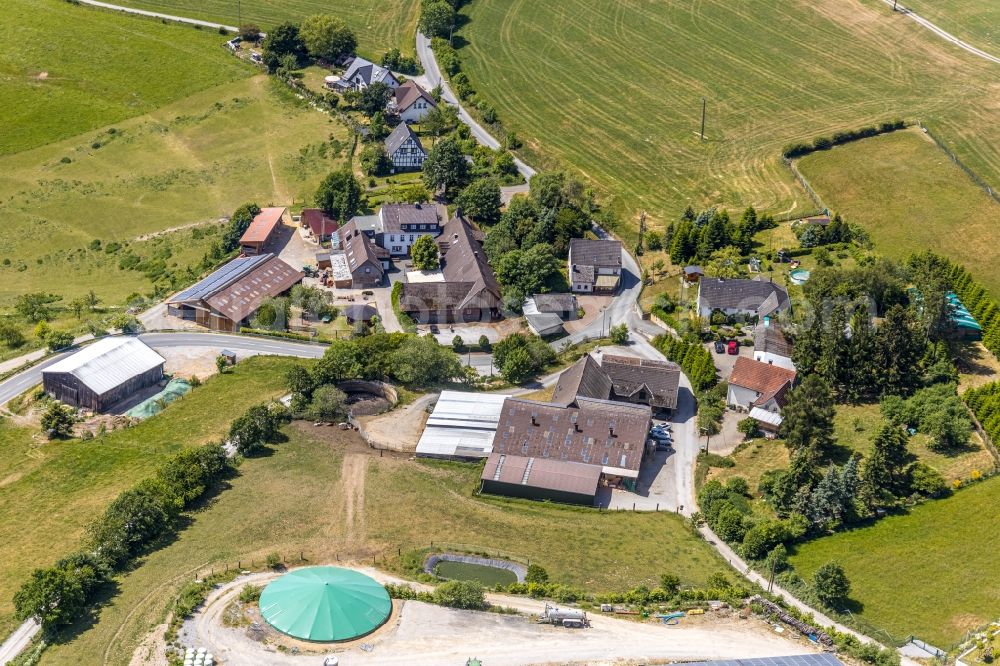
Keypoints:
pixel 971 359
pixel 103 596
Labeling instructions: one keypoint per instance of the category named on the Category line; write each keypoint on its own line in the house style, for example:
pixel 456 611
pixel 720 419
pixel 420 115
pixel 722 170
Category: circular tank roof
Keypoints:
pixel 325 604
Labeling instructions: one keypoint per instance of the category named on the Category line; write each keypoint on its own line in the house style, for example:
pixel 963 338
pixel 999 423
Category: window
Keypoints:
pixel 605 459
pixel 411 238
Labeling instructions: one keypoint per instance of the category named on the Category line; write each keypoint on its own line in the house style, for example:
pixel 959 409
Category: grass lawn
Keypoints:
pixel 974 21
pixel 185 164
pixel 752 460
pixel 931 573
pixel 49 491
pixel 855 426
pixel 313 497
pixel 67 69
pixel 626 79
pixel 379 24
pixel 910 197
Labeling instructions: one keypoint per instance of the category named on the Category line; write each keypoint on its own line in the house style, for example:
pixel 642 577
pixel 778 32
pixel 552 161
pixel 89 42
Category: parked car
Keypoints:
pixel 720 348
pixel 733 348
pixel 661 436
pixel 435 329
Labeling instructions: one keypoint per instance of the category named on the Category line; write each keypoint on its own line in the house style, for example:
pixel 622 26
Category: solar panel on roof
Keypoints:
pixel 221 278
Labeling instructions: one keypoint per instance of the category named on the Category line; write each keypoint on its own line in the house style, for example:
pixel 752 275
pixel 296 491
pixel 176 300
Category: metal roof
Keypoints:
pixel 108 363
pixel 220 279
pixel 462 424
pixel 263 225
pixel 565 476
pixel 325 604
pixel 241 298
pixel 765 416
pixel 818 659
pixel 545 323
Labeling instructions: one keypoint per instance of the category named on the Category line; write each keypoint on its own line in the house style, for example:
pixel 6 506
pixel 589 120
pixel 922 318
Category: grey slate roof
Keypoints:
pixel 465 260
pixel 583 378
pixel 395 215
pixel 770 340
pixel 555 302
pixel 629 375
pixel 760 297
pixel 544 323
pixel 600 253
pixel 394 141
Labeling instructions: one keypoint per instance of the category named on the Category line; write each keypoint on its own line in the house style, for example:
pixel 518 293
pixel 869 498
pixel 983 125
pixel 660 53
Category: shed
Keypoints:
pixel 260 230
pixel 462 426
pixel 104 373
pixel 544 324
pixel 323 260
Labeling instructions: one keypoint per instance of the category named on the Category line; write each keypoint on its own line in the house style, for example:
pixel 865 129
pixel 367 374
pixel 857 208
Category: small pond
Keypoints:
pixel 488 576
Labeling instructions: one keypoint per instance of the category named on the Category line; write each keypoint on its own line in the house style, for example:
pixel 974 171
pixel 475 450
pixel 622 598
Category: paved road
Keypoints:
pixel 432 75
pixel 169 17
pixel 947 36
pixel 18 641
pixel 18 384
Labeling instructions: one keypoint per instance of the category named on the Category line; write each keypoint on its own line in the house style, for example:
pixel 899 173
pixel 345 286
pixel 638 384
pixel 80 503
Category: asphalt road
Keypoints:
pixel 21 382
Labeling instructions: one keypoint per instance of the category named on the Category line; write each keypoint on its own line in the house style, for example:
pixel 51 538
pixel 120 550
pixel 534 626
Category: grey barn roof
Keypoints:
pixel 561 475
pixel 760 296
pixel 629 375
pixel 555 302
pixel 394 215
pixel 606 253
pixel 583 378
pixel 394 141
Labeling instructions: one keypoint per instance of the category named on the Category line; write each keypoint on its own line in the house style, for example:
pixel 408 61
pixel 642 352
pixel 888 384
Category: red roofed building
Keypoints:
pixel 760 389
pixel 260 230
pixel 321 225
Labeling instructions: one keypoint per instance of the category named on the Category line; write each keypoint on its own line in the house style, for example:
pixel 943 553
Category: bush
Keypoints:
pixel 484 344
pixel 464 594
pixel 273 561
pixel 536 574
pixel 250 594
pixel 830 584
pixel 58 420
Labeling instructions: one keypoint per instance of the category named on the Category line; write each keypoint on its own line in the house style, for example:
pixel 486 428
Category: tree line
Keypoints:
pixel 696 236
pixel 694 359
pixel 825 143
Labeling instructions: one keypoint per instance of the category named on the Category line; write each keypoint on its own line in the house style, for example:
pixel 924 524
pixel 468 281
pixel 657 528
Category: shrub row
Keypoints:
pixel 132 523
pixel 825 143
pixel 405 320
pixel 984 402
pixel 288 335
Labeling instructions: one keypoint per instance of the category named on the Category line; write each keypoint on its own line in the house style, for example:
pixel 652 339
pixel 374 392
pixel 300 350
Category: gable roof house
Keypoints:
pixel 760 389
pixel 104 373
pixel 321 226
pixel 623 379
pixel 562 305
pixel 771 346
pixel 411 102
pixel 230 296
pixel 363 260
pixel 401 224
pixel 469 291
pixel 595 266
pixel 739 297
pixel 261 230
pixel 360 73
pixel 610 437
pixel 404 149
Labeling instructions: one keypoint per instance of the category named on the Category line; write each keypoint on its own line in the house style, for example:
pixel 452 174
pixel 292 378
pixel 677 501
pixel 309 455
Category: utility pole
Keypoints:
pixel 239 11
pixel 770 580
pixel 703 105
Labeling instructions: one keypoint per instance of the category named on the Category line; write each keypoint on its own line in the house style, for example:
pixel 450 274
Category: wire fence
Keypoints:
pixel 805 184
pixel 982 184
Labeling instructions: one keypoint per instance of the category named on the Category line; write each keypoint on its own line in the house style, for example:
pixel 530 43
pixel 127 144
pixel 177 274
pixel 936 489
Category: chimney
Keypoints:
pixel 534 422
pixel 454 236
pixel 611 431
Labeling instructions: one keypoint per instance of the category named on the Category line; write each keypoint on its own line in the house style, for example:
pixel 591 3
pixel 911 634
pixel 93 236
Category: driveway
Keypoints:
pixel 725 362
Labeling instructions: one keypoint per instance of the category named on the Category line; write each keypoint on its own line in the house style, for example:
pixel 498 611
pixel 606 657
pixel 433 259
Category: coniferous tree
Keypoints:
pixel 883 474
pixel 808 417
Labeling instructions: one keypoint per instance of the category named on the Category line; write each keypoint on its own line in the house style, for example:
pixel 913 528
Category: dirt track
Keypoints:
pixel 426 635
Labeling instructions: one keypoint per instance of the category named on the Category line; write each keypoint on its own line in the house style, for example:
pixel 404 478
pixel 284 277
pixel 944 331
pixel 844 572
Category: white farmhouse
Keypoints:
pixel 771 346
pixel 411 102
pixel 404 149
pixel 595 266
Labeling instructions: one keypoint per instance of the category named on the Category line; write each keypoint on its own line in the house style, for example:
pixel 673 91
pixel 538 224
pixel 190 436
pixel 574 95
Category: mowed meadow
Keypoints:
pixel 910 196
pixel 931 572
pixel 974 21
pixel 67 69
pixel 379 24
pixel 612 91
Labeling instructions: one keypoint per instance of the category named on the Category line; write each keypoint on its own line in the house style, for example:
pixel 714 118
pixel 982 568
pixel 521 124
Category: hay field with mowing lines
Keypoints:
pixel 379 24
pixel 974 21
pixel 614 93
pixel 66 69
pixel 910 196
pixel 931 573
pixel 187 163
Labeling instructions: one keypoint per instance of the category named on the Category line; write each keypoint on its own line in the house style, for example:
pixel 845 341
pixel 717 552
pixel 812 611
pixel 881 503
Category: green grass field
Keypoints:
pixel 324 495
pixel 910 197
pixel 67 69
pixel 615 94
pixel 379 24
pixel 185 164
pixel 49 491
pixel 974 21
pixel 931 573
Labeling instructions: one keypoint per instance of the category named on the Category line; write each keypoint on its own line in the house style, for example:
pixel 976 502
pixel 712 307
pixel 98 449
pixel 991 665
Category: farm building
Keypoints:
pixel 595 266
pixel 621 379
pixel 611 436
pixel 104 373
pixel 469 291
pixel 261 230
pixel 319 224
pixel 562 305
pixel 363 260
pixel 759 297
pixel 461 426
pixel 544 324
pixel 230 296
pixel 542 479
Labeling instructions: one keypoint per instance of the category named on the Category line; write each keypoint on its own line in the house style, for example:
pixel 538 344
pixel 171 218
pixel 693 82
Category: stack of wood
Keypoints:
pixel 805 629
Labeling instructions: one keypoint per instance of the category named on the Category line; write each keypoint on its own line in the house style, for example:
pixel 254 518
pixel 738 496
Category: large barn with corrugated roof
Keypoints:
pixel 103 373
pixel 229 297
